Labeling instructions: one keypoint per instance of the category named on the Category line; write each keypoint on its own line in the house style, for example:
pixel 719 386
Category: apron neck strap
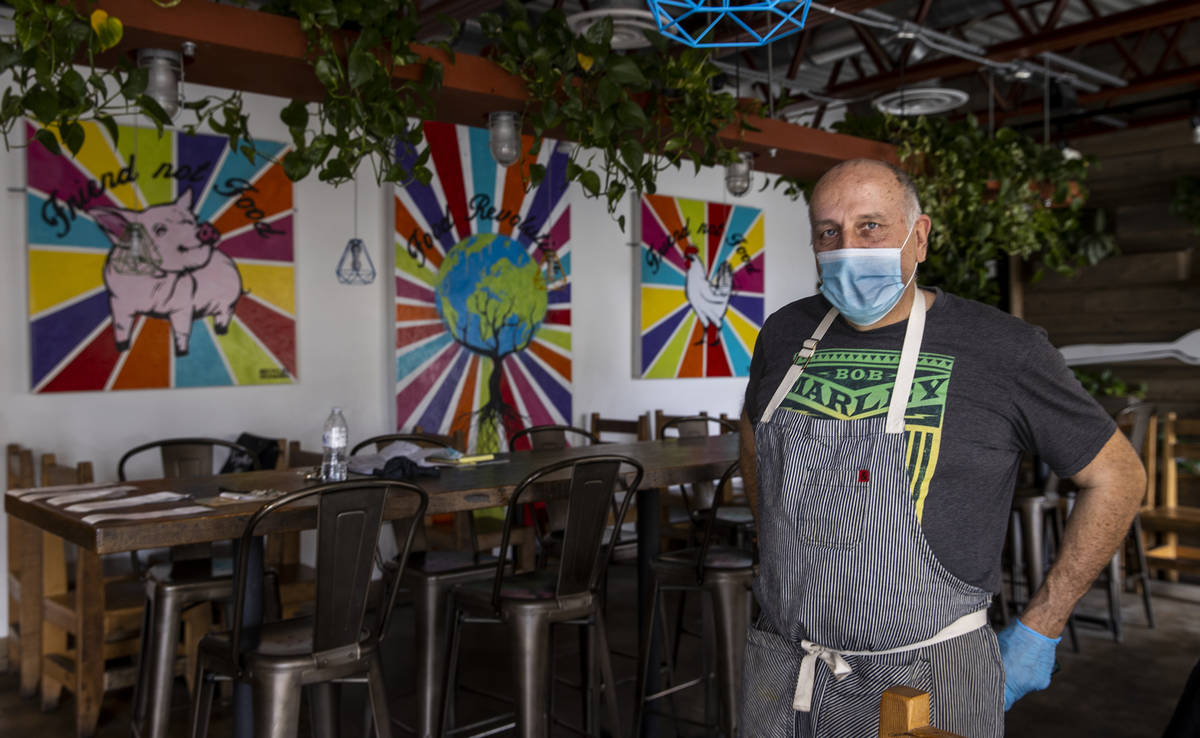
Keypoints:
pixel 908 364
pixel 904 373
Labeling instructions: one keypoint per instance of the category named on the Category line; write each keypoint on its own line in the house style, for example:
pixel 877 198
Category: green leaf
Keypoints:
pixel 110 125
pixel 327 73
pixel 73 136
pixel 135 83
pixel 631 114
pixel 154 111
pixel 9 55
pixel 47 139
pixel 295 166
pixel 631 152
pixel 590 181
pixel 607 93
pixel 42 103
pixel 295 114
pixel 362 66
pixel 624 71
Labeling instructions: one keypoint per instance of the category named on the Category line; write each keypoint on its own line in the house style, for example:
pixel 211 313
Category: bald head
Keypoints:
pixel 873 170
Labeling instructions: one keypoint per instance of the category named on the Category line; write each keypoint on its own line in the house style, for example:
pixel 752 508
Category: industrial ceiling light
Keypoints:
pixel 165 83
pixel 1196 129
pixel 738 174
pixel 720 24
pixel 920 101
pixel 504 137
pixel 629 25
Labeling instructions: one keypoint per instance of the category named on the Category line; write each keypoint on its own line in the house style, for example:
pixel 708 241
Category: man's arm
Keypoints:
pixel 749 470
pixel 1110 491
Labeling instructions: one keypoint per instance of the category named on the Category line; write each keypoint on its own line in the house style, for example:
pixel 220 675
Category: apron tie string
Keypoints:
pixel 813 652
pixel 840 668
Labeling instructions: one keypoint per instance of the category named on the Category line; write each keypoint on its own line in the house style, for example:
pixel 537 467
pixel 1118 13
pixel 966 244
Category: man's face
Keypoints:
pixel 863 206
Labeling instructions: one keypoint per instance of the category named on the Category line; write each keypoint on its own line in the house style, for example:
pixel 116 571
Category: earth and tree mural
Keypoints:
pixel 483 343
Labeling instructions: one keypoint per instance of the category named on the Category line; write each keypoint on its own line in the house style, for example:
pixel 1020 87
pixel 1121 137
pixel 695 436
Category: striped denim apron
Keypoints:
pixel 853 598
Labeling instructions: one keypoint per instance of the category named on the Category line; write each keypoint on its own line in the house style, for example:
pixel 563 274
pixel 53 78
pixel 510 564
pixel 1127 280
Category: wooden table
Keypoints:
pixel 667 462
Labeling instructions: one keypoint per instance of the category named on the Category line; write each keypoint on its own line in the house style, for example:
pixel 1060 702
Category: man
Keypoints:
pixel 882 433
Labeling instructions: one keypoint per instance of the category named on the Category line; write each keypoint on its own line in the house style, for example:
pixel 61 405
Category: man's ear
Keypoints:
pixel 921 230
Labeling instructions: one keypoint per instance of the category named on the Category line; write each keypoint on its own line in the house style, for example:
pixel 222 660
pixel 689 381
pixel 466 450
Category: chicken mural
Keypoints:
pixel 701 288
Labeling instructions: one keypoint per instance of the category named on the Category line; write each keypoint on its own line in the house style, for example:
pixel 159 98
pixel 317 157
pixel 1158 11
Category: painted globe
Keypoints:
pixel 491 295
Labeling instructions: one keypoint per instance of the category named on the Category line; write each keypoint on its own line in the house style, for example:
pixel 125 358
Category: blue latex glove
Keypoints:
pixel 1028 658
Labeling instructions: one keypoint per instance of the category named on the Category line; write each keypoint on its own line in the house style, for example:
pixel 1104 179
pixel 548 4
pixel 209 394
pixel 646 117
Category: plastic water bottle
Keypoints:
pixel 333 445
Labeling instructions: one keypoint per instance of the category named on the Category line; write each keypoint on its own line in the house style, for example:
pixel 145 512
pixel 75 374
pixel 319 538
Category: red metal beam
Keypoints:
pixel 918 18
pixel 1102 29
pixel 1055 15
pixel 1177 78
pixel 1022 24
pixel 882 61
pixel 798 55
pixel 1172 46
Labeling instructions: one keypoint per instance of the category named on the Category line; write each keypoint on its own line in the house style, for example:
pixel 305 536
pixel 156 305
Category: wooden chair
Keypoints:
pixel 1180 457
pixel 639 429
pixel 19 463
pixel 61 617
pixel 904 711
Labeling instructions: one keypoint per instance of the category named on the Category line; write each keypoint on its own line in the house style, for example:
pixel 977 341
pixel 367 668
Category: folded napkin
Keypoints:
pixel 170 512
pixel 60 499
pixel 38 493
pixel 127 502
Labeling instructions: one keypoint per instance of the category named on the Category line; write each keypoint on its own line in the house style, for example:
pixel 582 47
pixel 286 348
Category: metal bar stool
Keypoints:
pixel 528 604
pixel 340 641
pixel 725 574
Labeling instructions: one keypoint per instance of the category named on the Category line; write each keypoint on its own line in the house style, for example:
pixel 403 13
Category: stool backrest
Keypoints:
pixel 593 482
pixel 701 494
pixel 54 474
pixel 19 464
pixel 349 515
pixel 420 439
pixel 551 437
pixel 710 518
pixel 186 458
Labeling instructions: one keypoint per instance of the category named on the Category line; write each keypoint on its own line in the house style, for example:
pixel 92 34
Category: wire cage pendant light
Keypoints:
pixel 715 24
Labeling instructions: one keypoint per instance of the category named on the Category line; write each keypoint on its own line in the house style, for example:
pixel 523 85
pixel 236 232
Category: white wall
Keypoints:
pixel 345 344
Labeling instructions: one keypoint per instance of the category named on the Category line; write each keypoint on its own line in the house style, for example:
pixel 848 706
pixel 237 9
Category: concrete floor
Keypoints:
pixel 1108 689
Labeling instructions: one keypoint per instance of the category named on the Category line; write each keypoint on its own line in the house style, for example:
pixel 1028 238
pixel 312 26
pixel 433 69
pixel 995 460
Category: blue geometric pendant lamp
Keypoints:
pixel 702 24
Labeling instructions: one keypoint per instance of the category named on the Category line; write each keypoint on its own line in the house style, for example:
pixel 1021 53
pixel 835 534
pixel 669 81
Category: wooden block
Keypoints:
pixel 901 709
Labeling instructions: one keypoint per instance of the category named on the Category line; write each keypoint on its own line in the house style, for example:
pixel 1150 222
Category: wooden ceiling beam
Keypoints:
pixel 1022 24
pixel 1142 18
pixel 243 49
pixel 1055 15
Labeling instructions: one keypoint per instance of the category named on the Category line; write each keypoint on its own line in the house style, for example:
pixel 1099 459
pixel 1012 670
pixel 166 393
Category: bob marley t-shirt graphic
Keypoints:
pixel 988 387
pixel 844 384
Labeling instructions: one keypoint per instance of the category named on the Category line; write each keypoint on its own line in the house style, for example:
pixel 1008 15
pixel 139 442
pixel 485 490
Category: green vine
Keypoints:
pixel 364 113
pixel 49 39
pixel 988 197
pixel 1186 201
pixel 1106 384
pixel 632 114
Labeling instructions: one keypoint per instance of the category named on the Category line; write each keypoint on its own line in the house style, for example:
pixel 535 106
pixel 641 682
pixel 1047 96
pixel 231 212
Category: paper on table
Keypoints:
pixel 168 513
pixel 95 494
pixel 126 502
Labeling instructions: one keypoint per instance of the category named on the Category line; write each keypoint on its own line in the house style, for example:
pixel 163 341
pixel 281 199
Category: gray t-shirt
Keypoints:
pixel 988 387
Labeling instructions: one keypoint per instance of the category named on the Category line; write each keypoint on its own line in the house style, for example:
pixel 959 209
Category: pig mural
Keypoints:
pixel 163 264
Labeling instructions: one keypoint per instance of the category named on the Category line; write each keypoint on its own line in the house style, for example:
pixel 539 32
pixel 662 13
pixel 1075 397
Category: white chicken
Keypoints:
pixel 709 299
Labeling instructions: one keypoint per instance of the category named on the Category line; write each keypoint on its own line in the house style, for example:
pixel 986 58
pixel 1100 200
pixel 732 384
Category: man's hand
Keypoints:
pixel 1111 488
pixel 1028 658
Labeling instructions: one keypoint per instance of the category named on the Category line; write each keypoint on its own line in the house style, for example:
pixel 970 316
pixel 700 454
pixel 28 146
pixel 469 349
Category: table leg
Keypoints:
pixel 29 543
pixel 647 549
pixel 89 642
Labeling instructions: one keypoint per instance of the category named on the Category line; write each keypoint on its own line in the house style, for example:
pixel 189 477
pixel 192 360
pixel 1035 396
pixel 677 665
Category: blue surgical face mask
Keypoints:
pixel 864 284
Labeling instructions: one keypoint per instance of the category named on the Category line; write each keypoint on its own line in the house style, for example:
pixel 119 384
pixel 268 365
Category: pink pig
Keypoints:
pixel 164 264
